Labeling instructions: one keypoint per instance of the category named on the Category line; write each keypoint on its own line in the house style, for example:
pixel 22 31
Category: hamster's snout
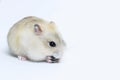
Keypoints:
pixel 52 59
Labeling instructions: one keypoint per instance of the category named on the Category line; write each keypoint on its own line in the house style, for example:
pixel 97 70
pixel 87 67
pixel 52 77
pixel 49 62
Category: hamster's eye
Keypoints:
pixel 52 44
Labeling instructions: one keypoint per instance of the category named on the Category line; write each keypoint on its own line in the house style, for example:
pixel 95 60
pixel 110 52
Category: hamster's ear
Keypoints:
pixel 52 25
pixel 37 29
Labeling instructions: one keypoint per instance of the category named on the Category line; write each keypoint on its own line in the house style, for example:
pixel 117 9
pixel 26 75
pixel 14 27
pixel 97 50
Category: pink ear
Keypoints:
pixel 37 29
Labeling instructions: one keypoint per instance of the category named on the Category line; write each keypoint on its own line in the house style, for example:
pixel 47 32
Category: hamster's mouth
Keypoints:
pixel 52 59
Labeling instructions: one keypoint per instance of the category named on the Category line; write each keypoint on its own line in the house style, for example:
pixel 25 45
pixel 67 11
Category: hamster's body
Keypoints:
pixel 32 37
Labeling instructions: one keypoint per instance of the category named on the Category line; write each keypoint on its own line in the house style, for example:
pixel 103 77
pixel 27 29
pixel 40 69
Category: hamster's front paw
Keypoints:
pixel 52 59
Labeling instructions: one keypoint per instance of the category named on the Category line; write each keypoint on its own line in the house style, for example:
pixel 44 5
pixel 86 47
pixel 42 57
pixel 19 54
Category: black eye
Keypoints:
pixel 52 44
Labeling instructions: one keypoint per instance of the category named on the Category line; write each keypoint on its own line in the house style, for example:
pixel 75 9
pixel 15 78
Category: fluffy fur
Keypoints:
pixel 24 41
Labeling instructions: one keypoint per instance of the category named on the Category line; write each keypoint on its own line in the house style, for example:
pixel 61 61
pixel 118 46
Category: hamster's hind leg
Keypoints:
pixel 22 58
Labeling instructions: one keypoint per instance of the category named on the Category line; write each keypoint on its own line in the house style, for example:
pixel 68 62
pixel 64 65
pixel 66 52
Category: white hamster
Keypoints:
pixel 35 39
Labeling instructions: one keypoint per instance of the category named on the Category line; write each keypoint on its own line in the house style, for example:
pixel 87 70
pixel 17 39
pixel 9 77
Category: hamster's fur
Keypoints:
pixel 34 39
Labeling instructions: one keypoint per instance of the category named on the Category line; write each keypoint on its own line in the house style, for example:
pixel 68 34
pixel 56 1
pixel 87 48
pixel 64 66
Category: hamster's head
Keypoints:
pixel 51 40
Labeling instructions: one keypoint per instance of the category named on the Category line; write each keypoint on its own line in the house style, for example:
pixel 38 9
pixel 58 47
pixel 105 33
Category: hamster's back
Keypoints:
pixel 18 29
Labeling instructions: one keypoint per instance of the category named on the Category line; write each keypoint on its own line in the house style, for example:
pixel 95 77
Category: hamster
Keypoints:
pixel 36 39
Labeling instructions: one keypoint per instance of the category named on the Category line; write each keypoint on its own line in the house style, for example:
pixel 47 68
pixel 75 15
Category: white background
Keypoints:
pixel 91 29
